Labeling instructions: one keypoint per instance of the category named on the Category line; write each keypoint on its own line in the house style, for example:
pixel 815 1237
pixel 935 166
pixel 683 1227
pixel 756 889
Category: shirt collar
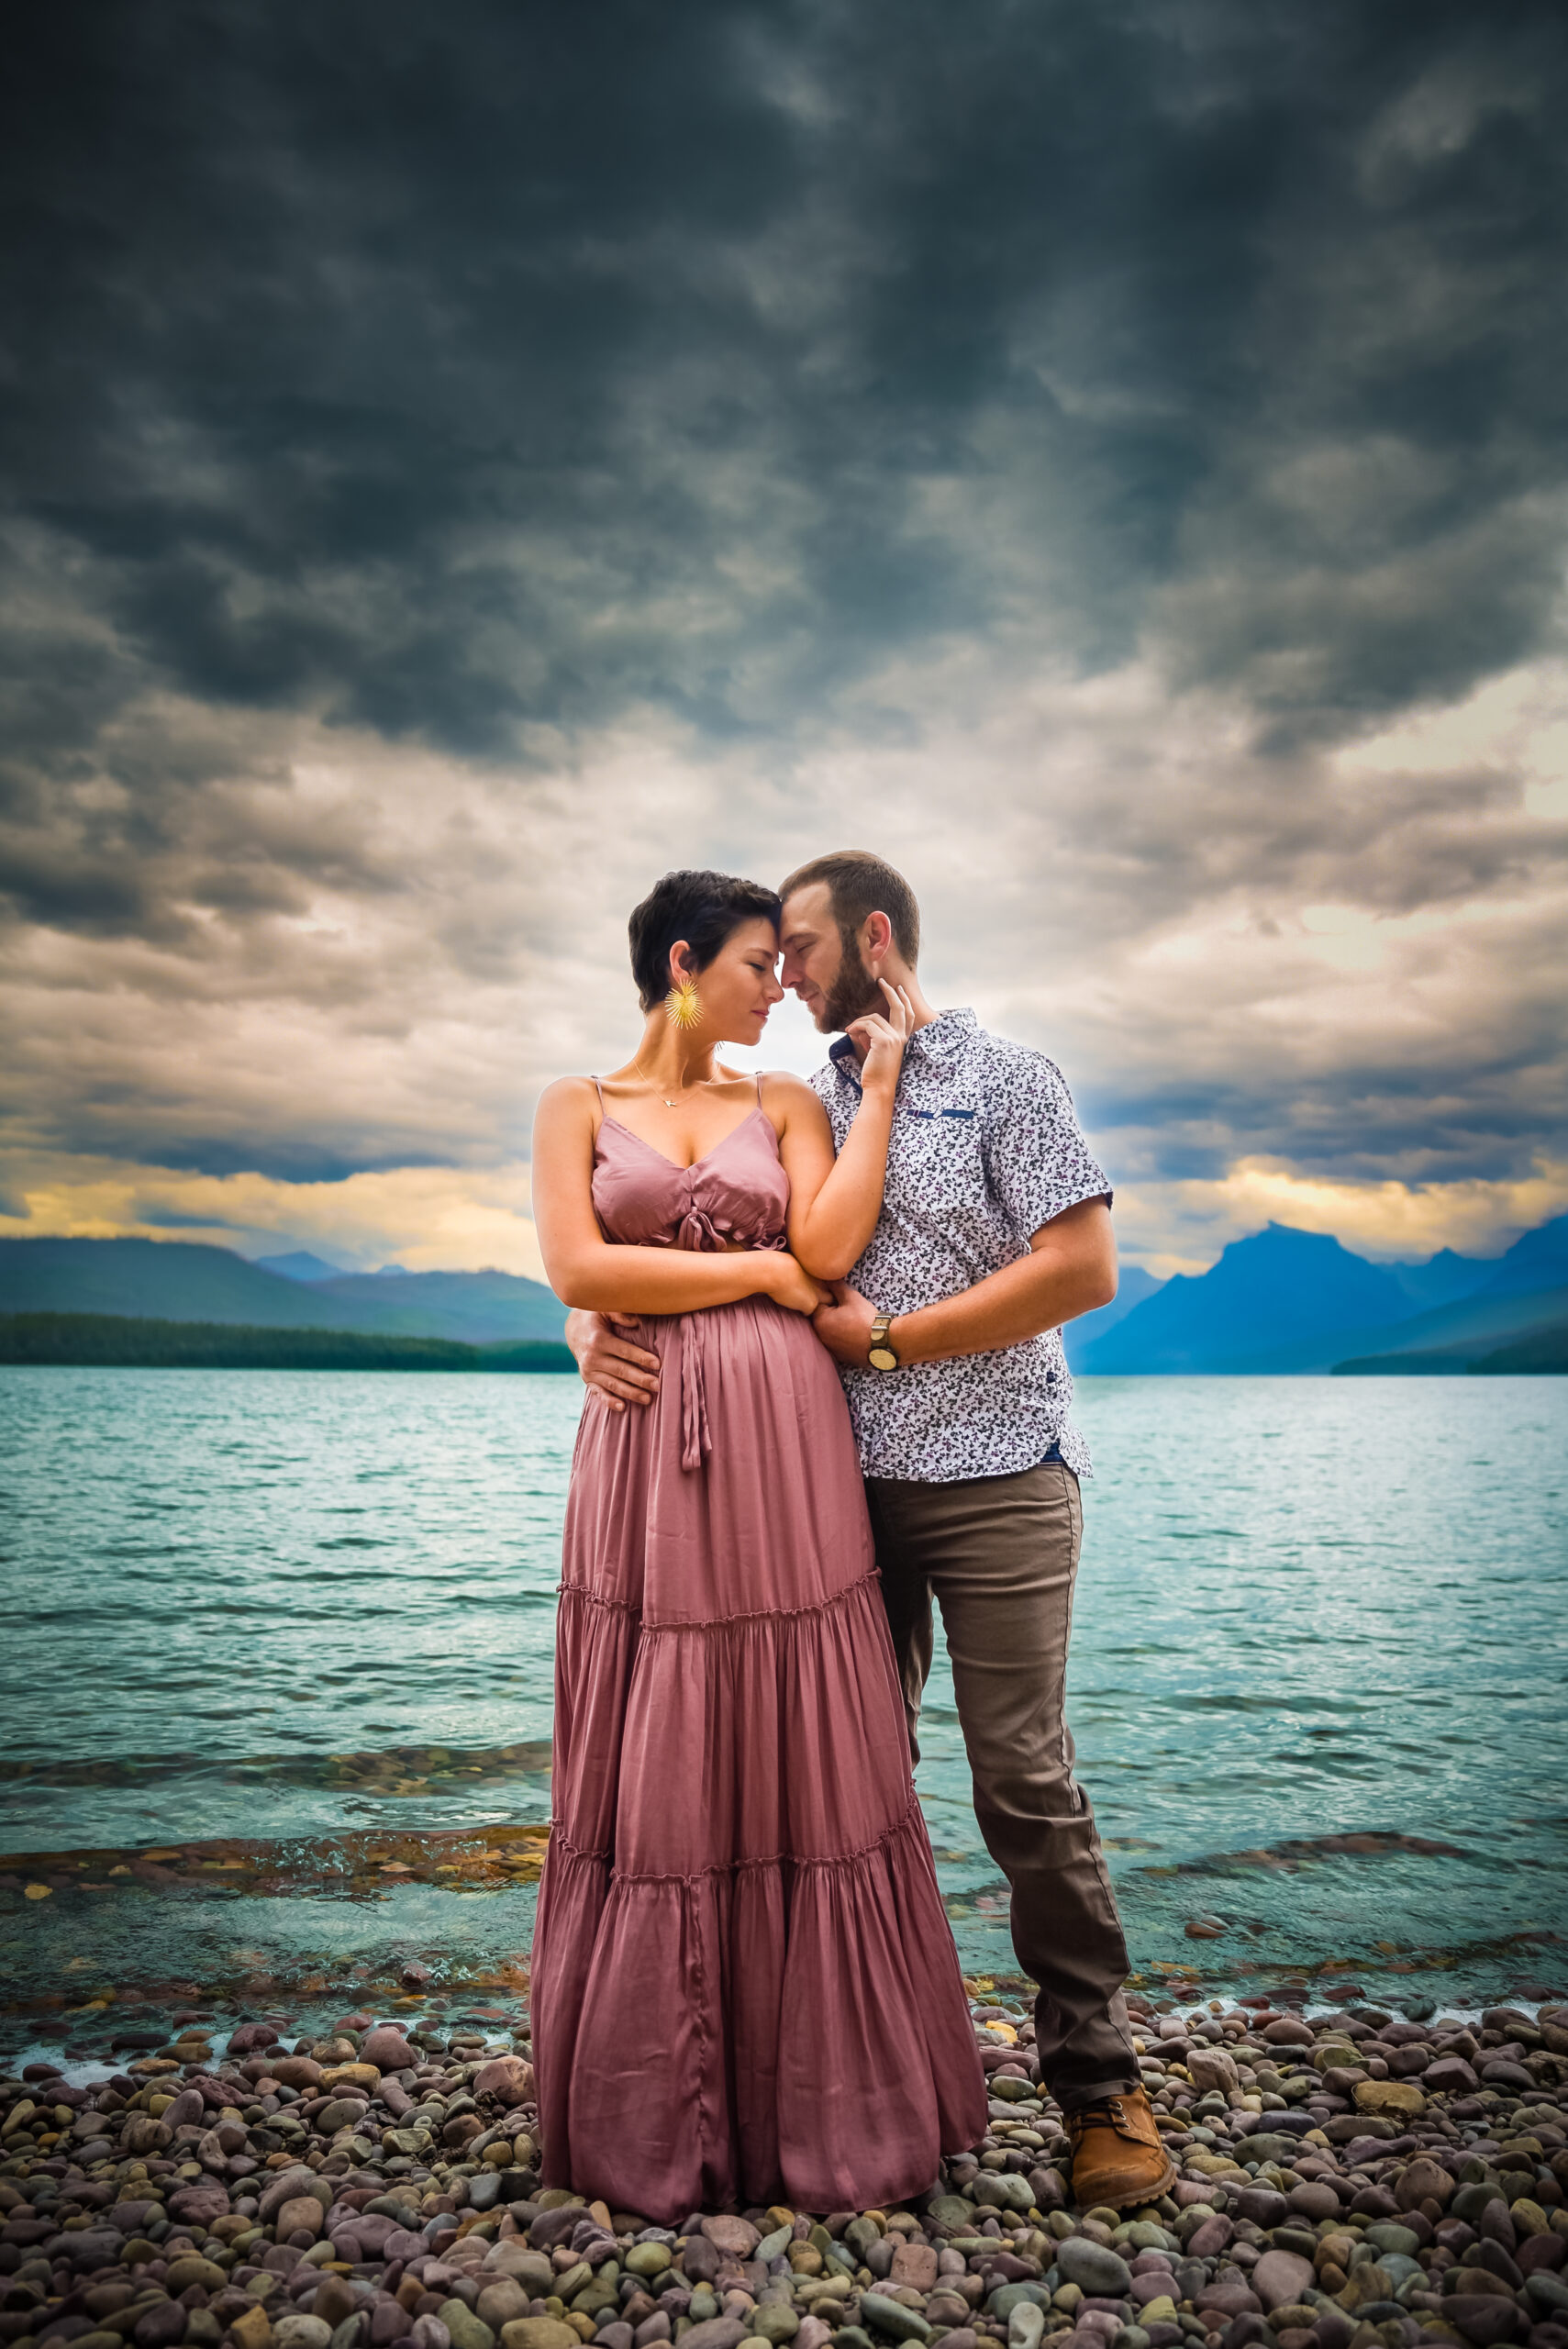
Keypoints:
pixel 938 1041
pixel 943 1038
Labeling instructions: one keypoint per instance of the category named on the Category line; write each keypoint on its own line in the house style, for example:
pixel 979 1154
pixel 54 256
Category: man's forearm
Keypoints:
pixel 1041 1291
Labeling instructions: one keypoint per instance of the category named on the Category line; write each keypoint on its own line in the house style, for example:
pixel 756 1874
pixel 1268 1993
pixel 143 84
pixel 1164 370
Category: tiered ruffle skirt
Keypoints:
pixel 744 1983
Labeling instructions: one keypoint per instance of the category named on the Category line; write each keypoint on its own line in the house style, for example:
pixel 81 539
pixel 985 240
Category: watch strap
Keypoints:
pixel 879 1343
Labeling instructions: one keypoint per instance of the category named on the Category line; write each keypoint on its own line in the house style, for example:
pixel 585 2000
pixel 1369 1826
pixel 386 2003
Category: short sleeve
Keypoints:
pixel 1038 1161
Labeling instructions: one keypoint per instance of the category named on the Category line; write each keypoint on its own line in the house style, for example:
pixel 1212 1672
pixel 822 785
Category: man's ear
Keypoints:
pixel 876 937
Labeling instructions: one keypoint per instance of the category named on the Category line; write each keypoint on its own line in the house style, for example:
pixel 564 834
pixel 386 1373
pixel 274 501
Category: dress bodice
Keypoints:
pixel 738 1194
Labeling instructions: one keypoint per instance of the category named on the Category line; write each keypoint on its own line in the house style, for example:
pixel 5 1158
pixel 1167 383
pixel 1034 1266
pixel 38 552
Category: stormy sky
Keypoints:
pixel 460 462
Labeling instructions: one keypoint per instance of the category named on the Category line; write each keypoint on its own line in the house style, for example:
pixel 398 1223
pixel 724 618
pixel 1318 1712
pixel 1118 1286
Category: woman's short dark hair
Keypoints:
pixel 705 908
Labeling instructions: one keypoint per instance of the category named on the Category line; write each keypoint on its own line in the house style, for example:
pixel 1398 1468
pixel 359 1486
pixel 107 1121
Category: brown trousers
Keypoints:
pixel 999 1555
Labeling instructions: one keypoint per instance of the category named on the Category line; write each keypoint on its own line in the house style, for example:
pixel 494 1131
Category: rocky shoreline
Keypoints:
pixel 1348 2180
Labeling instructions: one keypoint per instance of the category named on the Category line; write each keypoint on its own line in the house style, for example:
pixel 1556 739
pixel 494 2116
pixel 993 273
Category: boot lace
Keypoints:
pixel 1111 2113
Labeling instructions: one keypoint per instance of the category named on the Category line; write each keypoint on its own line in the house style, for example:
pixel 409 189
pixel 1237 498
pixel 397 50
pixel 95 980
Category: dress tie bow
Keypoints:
pixel 706 1235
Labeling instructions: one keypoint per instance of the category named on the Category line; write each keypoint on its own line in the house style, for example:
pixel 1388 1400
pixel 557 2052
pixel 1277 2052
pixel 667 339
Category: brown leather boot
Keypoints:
pixel 1117 2157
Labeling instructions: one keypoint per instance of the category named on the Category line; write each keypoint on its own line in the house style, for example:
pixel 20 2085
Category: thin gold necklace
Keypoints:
pixel 664 1096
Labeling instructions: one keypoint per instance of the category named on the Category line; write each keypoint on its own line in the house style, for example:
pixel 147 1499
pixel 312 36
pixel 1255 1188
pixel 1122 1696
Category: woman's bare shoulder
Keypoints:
pixel 784 1093
pixel 564 1095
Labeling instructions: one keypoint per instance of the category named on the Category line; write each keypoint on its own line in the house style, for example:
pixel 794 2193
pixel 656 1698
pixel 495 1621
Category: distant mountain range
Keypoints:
pixel 125 1341
pixel 299 1266
pixel 172 1280
pixel 1280 1301
pixel 1544 1349
pixel 476 1308
pixel 1288 1301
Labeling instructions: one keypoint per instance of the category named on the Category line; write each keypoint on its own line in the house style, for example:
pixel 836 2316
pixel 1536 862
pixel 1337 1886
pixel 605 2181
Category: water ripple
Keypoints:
pixel 1308 1610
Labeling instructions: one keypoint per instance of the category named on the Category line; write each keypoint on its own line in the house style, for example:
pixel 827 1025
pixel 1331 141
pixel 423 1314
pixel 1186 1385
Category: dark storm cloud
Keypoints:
pixel 480 380
pixel 458 372
pixel 1465 1115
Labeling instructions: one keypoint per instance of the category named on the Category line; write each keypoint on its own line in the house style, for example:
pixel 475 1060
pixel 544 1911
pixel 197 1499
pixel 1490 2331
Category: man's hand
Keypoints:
pixel 844 1327
pixel 616 1371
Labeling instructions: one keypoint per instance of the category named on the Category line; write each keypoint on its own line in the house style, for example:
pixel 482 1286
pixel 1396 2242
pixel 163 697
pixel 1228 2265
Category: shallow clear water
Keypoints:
pixel 307 1619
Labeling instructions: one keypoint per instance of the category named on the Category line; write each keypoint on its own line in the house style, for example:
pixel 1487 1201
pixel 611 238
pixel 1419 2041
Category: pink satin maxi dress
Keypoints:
pixel 743 1979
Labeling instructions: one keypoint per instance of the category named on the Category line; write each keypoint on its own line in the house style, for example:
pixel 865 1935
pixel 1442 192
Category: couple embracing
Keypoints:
pixel 822 1325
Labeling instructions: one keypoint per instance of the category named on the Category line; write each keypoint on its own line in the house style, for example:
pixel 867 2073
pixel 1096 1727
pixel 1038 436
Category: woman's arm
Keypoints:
pixel 584 1269
pixel 834 1202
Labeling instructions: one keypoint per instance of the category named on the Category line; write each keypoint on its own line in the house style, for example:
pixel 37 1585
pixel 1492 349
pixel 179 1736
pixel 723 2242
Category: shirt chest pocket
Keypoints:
pixel 935 1155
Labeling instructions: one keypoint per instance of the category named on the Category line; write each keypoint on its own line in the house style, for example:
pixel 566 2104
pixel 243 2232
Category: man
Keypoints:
pixel 994 1230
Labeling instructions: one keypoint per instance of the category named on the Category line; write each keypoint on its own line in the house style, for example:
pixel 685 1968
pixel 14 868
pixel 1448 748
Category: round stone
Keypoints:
pixel 1026 2326
pixel 1100 2272
pixel 1423 2179
pixel 648 2258
pixel 301 2215
pixel 343 2112
pixel 301 2333
pixel 502 2301
pixel 184 2272
pixel 1007 2298
pixel 507 2078
pixel 466 2330
pixel 388 2050
pixel 892 2318
pixel 1281 2278
pixel 738 2237
pixel 1387 2237
pixel 1401 2096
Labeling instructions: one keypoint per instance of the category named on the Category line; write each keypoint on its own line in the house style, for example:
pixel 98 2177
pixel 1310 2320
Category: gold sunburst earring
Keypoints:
pixel 683 1005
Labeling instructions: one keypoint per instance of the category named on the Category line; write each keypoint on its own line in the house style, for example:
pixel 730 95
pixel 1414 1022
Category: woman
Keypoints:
pixel 743 1979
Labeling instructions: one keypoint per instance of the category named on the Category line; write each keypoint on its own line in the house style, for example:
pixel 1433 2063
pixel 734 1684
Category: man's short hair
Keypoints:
pixel 859 884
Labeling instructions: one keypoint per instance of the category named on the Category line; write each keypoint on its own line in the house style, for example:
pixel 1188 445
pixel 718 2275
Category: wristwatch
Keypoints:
pixel 882 1356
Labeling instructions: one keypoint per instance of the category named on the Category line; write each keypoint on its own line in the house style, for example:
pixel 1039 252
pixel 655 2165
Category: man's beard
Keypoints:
pixel 852 994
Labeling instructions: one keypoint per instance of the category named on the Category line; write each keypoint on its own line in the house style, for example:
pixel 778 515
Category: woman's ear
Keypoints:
pixel 681 961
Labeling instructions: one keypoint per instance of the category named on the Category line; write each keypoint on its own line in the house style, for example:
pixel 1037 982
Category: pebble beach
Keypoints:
pixel 1347 2179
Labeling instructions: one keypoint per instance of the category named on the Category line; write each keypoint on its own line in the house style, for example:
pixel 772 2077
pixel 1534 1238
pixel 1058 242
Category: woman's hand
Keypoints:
pixel 791 1286
pixel 883 1038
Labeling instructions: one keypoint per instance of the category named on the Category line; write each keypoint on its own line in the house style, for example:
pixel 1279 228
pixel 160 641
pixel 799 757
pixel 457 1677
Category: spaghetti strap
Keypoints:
pixel 599 1089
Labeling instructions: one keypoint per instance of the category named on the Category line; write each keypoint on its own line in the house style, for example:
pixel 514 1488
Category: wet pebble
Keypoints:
pixel 1093 2267
pixel 301 2333
pixel 1402 2184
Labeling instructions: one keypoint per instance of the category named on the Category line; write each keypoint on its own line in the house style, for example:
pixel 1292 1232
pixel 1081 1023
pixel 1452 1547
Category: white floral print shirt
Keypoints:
pixel 986 1147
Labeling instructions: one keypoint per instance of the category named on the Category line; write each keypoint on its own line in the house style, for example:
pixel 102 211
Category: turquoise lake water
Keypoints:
pixel 292 1631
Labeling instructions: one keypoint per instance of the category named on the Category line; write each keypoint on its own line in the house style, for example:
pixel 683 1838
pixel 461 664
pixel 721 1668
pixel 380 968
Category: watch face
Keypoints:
pixel 881 1358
